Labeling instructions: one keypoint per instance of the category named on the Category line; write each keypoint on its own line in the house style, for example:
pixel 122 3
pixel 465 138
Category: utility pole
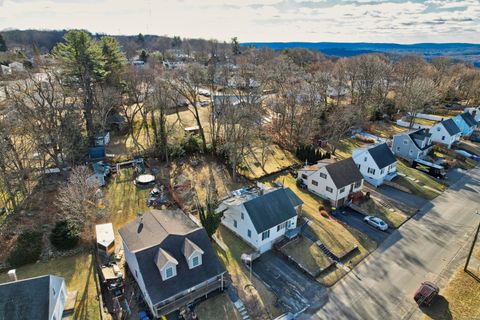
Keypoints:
pixel 472 247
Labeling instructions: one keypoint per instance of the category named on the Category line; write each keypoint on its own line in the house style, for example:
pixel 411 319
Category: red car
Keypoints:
pixel 426 293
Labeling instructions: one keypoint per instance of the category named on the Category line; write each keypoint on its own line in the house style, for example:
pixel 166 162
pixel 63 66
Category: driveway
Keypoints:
pixel 355 220
pixel 295 291
pixel 424 248
pixel 410 200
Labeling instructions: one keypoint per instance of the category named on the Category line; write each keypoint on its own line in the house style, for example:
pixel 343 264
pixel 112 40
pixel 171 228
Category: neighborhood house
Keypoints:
pixel 172 260
pixel 466 122
pixel 445 132
pixel 41 298
pixel 413 145
pixel 335 181
pixel 261 216
pixel 376 164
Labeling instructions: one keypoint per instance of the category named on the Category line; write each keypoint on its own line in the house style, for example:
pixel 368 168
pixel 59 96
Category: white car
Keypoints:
pixel 376 223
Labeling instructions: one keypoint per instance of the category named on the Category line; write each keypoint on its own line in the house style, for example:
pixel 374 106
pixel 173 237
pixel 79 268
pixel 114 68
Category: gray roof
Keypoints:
pixel 167 230
pixel 344 172
pixel 421 135
pixel 451 127
pixel 469 119
pixel 272 208
pixel 382 155
pixel 28 299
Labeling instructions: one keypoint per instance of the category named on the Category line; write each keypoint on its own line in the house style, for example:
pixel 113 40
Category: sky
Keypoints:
pixel 390 21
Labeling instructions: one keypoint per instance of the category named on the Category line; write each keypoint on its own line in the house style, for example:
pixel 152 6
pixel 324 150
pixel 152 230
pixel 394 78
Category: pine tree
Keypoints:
pixel 3 45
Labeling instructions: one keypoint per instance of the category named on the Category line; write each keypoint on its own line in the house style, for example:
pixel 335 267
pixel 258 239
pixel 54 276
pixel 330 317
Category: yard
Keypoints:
pixel 417 182
pixel 306 253
pixel 385 129
pixel 336 236
pixel 347 146
pixel 79 275
pixel 218 307
pixel 259 301
pixel 391 216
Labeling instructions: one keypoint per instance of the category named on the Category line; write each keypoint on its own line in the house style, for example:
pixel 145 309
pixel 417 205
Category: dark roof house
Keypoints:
pixel 469 119
pixel 382 155
pixel 344 172
pixel 451 127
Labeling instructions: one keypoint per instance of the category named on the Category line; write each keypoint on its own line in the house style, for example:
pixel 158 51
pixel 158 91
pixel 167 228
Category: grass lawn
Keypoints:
pixel 218 307
pixel 338 237
pixel 307 254
pixel 393 218
pixel 423 122
pixel 459 300
pixel 385 129
pixel 79 275
pixel 260 302
pixel 420 180
pixel 275 159
pixel 346 147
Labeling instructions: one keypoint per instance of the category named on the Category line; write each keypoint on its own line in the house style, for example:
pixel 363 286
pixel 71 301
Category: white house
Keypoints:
pixel 261 217
pixel 445 132
pixel 376 164
pixel 41 298
pixel 475 112
pixel 172 260
pixel 16 67
pixel 333 181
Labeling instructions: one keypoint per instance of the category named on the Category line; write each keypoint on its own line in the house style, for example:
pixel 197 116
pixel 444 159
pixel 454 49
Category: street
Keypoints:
pixel 382 286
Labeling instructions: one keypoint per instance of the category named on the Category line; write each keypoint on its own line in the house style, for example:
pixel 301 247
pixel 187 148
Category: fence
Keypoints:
pixel 431 117
pixel 406 124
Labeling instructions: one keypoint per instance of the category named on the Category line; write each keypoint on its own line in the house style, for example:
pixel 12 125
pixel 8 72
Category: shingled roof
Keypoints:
pixel 382 155
pixel 469 119
pixel 272 208
pixel 451 127
pixel 344 172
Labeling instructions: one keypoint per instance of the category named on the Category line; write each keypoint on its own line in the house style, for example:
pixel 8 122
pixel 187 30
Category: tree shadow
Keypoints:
pixel 439 309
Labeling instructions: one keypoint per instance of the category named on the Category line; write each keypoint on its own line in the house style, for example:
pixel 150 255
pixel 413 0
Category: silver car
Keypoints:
pixel 376 222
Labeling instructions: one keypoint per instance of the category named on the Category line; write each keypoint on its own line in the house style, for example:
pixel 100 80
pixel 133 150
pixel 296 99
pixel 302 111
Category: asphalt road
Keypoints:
pixel 382 286
pixel 355 220
pixel 410 200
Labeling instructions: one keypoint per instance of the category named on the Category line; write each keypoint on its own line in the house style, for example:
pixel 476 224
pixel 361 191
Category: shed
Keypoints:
pixel 105 239
pixel 192 130
pixel 102 138
pixel 96 153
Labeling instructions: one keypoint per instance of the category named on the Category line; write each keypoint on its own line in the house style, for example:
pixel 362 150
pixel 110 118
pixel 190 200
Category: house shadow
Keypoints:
pixel 439 309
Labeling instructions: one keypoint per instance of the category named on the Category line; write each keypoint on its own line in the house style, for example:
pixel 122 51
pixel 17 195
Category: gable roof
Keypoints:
pixel 272 208
pixel 469 119
pixel 420 134
pixel 190 247
pixel 382 155
pixel 28 298
pixel 165 231
pixel 344 172
pixel 451 127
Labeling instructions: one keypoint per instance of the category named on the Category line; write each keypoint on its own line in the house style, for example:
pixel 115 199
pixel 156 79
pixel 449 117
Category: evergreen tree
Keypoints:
pixel 235 46
pixel 3 45
pixel 143 56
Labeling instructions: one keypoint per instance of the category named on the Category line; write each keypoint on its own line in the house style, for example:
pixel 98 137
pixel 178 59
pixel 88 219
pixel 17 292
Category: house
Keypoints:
pixel 16 66
pixel 412 145
pixel 172 260
pixel 41 298
pixel 102 139
pixel 376 164
pixel 335 181
pixel 445 132
pixel 466 122
pixel 475 112
pixel 224 104
pixel 261 217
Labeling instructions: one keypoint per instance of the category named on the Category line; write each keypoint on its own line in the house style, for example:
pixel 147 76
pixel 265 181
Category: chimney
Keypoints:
pixel 12 275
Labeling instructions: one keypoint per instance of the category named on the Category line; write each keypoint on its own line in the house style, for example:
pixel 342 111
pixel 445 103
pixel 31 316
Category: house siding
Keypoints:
pixel 55 295
pixel 464 127
pixel 380 174
pixel 438 132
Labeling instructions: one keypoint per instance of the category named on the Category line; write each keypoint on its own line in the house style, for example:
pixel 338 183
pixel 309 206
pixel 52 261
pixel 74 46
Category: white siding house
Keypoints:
pixel 445 132
pixel 333 181
pixel 261 219
pixel 376 164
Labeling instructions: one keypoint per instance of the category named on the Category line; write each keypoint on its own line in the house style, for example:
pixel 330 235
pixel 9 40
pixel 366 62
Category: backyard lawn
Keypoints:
pixel 418 182
pixel 218 307
pixel 385 129
pixel 346 147
pixel 336 236
pixel 259 301
pixel 307 254
pixel 79 275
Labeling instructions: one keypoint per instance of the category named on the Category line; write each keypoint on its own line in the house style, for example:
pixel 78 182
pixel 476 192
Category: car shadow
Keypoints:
pixel 439 309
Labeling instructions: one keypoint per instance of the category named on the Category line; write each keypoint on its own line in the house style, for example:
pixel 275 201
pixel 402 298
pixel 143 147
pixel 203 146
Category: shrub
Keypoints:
pixel 192 144
pixel 321 207
pixel 65 235
pixel 324 214
pixel 27 249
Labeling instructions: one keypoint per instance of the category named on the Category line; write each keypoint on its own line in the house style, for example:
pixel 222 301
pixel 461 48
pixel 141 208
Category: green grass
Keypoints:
pixel 79 275
pixel 307 254
pixel 420 180
pixel 346 147
pixel 393 218
pixel 218 307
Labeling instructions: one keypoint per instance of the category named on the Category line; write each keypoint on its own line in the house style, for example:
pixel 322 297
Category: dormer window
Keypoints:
pixel 166 264
pixel 168 272
pixel 195 261
pixel 192 253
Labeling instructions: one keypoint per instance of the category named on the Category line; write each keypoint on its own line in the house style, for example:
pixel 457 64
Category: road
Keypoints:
pixel 381 287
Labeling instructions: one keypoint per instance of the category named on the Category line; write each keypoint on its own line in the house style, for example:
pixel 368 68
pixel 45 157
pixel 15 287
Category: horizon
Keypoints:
pixel 356 21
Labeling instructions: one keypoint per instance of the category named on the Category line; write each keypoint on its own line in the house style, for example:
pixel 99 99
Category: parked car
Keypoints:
pixel 376 222
pixel 468 155
pixel 426 293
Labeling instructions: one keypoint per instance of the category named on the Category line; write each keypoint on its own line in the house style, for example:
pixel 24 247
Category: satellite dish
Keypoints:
pixel 140 217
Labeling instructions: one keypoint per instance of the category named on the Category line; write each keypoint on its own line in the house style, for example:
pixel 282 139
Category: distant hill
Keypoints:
pixel 462 51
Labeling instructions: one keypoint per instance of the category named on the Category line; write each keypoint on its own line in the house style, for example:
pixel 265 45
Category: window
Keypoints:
pixel 358 166
pixel 323 175
pixel 195 261
pixel 329 189
pixel 168 272
pixel 315 183
pixel 342 190
pixel 281 226
pixel 265 234
pixel 371 170
pixel 249 233
pixel 304 176
pixel 365 159
pixel 398 148
pixel 438 129
pixel 234 223
pixel 382 171
pixel 443 138
pixel 136 274
pixel 242 216
pixel 358 184
pixel 405 141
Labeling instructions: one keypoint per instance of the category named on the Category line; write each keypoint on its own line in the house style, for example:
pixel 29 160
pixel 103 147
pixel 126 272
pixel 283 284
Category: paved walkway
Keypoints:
pixel 422 249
